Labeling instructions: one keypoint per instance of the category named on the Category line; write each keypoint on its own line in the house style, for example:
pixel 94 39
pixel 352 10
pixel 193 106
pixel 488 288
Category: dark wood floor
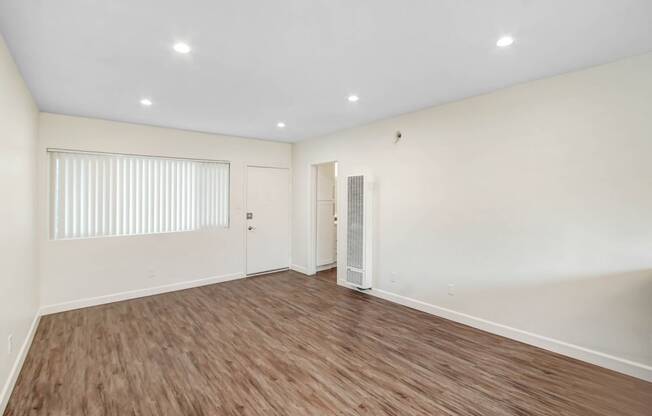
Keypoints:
pixel 329 275
pixel 283 344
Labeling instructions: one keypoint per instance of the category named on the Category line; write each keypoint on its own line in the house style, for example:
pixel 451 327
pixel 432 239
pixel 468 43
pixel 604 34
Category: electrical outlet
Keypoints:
pixel 10 344
pixel 451 289
pixel 151 274
pixel 392 277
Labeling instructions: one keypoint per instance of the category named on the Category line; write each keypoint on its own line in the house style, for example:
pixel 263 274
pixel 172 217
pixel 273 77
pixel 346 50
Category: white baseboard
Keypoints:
pixel 18 365
pixel 132 294
pixel 611 362
pixel 300 269
pixel 326 267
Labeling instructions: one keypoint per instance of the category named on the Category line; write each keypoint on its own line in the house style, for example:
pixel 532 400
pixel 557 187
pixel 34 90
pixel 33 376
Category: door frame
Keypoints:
pixel 311 267
pixel 244 216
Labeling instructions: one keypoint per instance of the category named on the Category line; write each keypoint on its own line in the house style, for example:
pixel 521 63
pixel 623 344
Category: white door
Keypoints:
pixel 326 215
pixel 268 219
pixel 326 233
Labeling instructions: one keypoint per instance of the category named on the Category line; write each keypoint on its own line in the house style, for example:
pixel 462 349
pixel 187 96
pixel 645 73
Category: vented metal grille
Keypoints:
pixel 355 229
pixel 354 277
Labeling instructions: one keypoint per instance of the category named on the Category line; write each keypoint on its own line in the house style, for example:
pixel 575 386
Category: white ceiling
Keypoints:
pixel 257 62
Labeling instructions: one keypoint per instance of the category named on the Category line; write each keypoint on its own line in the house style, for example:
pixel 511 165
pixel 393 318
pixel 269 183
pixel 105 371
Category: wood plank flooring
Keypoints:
pixel 329 275
pixel 284 344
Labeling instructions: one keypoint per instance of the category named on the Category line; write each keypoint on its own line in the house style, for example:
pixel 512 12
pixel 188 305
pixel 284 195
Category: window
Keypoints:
pixel 101 194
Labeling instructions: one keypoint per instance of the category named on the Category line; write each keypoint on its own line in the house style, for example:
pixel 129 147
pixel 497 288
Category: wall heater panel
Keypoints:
pixel 359 228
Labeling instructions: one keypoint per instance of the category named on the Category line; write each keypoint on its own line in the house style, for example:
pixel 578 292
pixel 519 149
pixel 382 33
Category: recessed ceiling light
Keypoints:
pixel 280 124
pixel 505 41
pixel 146 102
pixel 353 98
pixel 182 47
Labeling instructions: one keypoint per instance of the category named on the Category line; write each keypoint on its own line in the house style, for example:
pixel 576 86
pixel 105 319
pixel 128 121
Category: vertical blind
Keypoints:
pixel 100 194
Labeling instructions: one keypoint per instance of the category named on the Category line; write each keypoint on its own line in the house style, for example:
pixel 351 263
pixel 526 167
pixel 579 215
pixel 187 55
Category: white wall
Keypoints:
pixel 534 201
pixel 18 272
pixel 78 269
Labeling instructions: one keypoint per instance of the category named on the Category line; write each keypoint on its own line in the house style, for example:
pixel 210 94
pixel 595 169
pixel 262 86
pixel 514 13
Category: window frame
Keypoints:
pixel 52 191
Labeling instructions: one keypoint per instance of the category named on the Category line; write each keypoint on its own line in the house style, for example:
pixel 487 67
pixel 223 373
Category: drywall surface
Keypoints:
pixel 74 270
pixel 18 271
pixel 534 202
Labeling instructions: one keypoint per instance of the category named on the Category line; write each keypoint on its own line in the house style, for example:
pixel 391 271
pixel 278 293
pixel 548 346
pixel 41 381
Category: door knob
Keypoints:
pixel 250 228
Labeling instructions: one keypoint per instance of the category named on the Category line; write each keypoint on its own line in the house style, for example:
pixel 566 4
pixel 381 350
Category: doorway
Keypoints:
pixel 326 221
pixel 267 219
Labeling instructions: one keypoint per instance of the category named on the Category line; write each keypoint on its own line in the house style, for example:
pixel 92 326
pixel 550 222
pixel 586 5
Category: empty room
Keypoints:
pixel 305 208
